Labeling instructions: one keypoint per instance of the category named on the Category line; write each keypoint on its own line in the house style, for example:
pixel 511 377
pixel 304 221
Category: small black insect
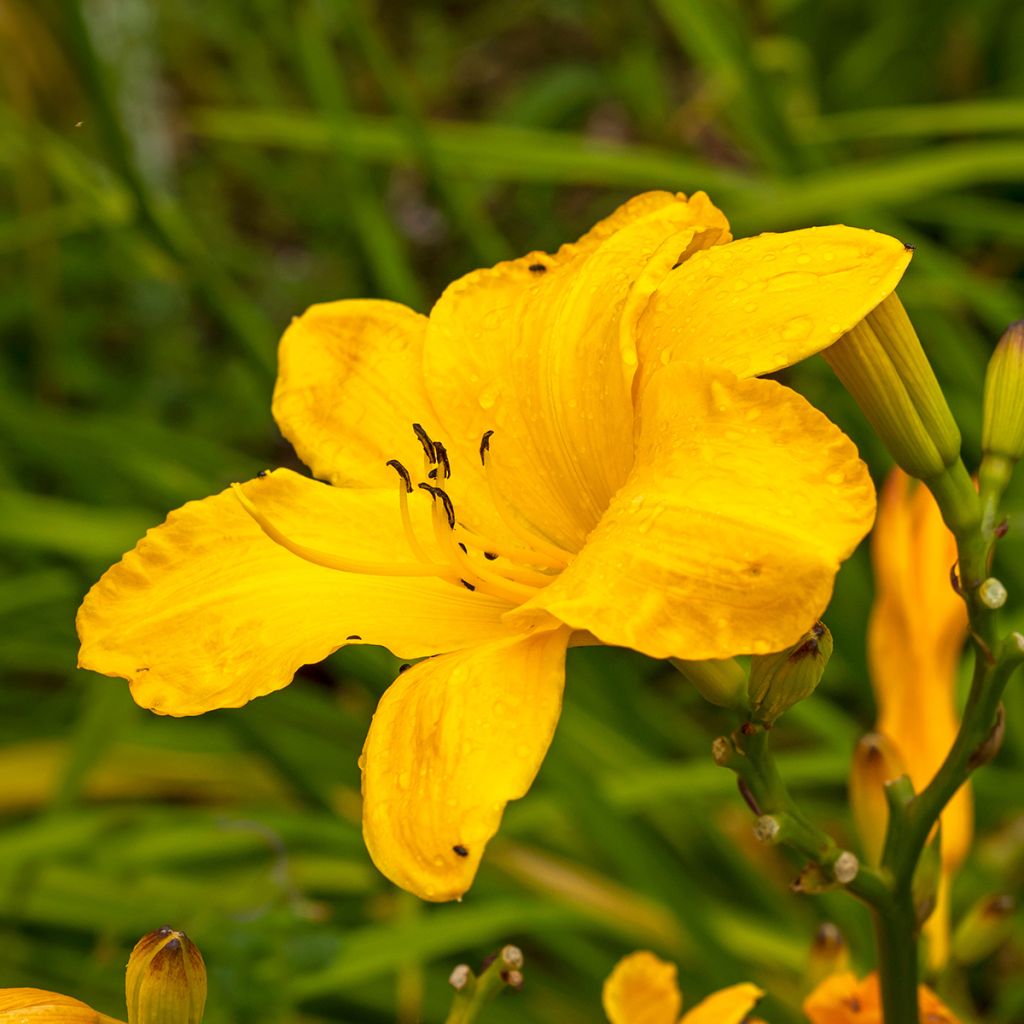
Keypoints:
pixel 263 473
pixel 460 850
pixel 538 268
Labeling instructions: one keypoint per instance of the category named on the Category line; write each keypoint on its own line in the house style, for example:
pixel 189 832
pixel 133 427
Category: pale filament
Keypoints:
pixel 509 571
pixel 526 556
pixel 478 577
pixel 330 560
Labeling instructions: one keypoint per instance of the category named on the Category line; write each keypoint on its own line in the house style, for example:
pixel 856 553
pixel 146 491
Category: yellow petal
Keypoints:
pixel 453 740
pixel 915 634
pixel 762 303
pixel 642 990
pixel 541 351
pixel 728 533
pixel 349 388
pixel 35 1006
pixel 730 1006
pixel 207 612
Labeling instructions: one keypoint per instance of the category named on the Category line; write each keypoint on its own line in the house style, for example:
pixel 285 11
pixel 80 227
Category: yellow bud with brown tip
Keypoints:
pixel 777 681
pixel 166 980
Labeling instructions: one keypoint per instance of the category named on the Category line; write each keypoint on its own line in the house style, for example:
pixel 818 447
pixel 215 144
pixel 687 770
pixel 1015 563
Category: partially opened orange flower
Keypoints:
pixel 842 999
pixel 573 447
pixel 643 989
pixel 915 634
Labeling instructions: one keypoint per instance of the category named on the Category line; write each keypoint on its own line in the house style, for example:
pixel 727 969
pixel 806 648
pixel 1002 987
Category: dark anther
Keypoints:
pixel 465 550
pixel 403 668
pixel 402 472
pixel 490 556
pixel 485 446
pixel 432 475
pixel 441 458
pixel 439 492
pixel 467 585
pixel 353 636
pixel 460 850
pixel 538 268
pixel 424 439
pixel 263 473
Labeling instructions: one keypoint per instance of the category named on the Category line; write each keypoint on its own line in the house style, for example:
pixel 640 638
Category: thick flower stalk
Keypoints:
pixel 643 989
pixel 572 448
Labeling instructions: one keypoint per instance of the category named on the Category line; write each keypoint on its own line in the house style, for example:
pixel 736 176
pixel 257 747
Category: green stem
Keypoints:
pixel 895 928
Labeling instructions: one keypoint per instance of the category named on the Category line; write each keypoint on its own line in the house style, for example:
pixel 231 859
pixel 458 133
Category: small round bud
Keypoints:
pixel 846 867
pixel 165 982
pixel 721 750
pixel 780 680
pixel 514 979
pixel 992 593
pixel 512 956
pixel 459 978
pixel 766 829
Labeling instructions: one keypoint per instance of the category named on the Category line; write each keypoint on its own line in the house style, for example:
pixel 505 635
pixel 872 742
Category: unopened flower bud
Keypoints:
pixel 829 954
pixel 166 980
pixel 882 364
pixel 927 877
pixel 875 762
pixel 719 681
pixel 780 680
pixel 992 593
pixel 983 929
pixel 1002 431
pixel 460 977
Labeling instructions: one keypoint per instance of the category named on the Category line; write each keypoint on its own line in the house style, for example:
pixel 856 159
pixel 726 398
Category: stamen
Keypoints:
pixel 485 446
pixel 404 490
pixel 329 560
pixel 402 472
pixel 441 457
pixel 480 579
pixel 449 508
pixel 428 446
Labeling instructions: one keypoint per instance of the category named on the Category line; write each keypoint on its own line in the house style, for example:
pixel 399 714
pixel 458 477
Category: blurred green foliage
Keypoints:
pixel 176 181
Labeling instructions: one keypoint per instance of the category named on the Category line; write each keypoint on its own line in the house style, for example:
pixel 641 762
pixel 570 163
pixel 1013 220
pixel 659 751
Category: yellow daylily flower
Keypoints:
pixel 842 999
pixel 583 452
pixel 642 989
pixel 36 1006
pixel 915 634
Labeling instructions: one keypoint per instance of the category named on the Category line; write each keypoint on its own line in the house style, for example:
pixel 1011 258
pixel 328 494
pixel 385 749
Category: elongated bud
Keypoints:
pixel 925 884
pixel 720 681
pixel 778 681
pixel 882 364
pixel 166 980
pixel 984 928
pixel 829 954
pixel 875 762
pixel 1002 431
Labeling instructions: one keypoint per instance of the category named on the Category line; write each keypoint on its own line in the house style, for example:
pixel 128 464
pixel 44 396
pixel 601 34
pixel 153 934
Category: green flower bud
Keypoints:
pixel 166 980
pixel 720 681
pixel 1002 431
pixel 882 364
pixel 777 681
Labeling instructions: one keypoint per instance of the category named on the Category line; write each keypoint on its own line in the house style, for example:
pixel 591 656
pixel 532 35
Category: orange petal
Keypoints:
pixel 207 612
pixel 728 533
pixel 453 740
pixel 35 1006
pixel 642 990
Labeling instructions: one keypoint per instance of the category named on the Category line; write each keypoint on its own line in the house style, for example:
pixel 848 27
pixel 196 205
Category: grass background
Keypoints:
pixel 177 179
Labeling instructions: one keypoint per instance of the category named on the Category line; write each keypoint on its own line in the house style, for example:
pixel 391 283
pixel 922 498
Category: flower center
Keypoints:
pixel 461 556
